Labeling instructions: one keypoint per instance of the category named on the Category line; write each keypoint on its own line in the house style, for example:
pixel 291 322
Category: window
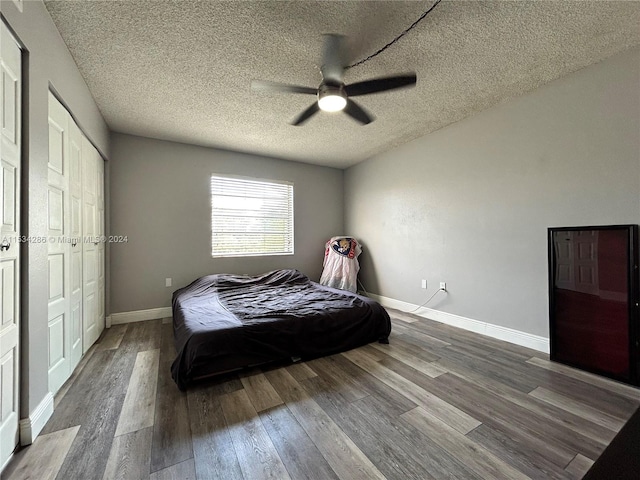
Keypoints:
pixel 250 217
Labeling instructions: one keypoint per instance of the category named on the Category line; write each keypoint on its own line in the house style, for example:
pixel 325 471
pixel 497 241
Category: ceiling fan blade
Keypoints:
pixel 358 113
pixel 333 57
pixel 383 84
pixel 266 86
pixel 304 116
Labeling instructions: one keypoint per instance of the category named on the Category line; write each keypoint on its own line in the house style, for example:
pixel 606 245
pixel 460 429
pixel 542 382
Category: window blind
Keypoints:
pixel 250 217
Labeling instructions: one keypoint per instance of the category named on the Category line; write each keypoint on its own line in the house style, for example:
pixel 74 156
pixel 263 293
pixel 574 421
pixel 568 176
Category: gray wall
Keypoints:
pixel 48 62
pixel 470 204
pixel 160 199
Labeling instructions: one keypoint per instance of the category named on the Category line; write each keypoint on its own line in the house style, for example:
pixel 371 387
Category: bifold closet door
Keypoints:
pixel 74 242
pixel 10 163
pixel 102 245
pixel 92 239
pixel 75 206
pixel 59 301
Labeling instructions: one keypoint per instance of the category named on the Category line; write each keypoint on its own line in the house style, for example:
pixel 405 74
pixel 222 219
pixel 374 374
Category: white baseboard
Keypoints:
pixel 510 335
pixel 31 427
pixel 107 321
pixel 139 315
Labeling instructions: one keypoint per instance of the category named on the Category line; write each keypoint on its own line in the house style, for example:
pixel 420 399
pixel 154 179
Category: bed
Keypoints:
pixel 226 322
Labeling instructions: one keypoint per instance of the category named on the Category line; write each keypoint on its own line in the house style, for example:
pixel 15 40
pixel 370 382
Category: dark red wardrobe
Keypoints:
pixel 593 299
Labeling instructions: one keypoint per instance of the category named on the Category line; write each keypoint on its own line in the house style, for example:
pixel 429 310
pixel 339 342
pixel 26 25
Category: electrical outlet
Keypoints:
pixel 424 283
pixel 167 282
pixel 443 286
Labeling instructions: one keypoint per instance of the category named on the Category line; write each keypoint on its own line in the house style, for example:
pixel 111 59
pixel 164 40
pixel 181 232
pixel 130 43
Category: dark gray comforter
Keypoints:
pixel 224 322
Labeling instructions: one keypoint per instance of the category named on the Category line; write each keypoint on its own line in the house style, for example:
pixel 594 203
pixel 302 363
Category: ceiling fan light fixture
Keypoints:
pixel 333 95
pixel 331 98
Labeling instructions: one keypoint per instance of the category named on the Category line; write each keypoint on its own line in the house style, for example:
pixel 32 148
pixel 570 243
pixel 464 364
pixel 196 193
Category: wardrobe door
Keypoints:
pixel 74 243
pixel 90 244
pixel 58 251
pixel 101 245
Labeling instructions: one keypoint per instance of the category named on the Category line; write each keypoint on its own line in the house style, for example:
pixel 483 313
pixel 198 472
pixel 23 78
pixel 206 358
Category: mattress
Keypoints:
pixel 225 322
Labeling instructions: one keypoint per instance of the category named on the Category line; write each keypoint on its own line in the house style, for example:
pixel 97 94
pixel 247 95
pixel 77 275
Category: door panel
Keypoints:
pixel 101 245
pixel 60 366
pixel 10 164
pixel 7 286
pixel 9 187
pixel 91 232
pixel 9 404
pixel 56 278
pixel 76 331
pixel 10 88
pixel 57 143
pixel 7 370
pixel 56 210
pixel 56 342
pixel 74 244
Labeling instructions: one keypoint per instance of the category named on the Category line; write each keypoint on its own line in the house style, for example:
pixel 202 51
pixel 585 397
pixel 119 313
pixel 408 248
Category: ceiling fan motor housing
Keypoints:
pixel 331 96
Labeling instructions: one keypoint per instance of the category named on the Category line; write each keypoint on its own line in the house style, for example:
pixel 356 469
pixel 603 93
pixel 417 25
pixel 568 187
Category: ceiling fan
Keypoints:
pixel 332 94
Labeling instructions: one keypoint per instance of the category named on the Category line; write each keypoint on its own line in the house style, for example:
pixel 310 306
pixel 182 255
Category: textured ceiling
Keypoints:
pixel 181 70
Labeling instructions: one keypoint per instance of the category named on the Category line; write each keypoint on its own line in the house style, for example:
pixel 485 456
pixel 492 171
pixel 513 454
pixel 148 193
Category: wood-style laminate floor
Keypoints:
pixel 438 402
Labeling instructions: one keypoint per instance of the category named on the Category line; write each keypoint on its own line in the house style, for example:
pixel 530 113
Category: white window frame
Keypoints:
pixel 238 187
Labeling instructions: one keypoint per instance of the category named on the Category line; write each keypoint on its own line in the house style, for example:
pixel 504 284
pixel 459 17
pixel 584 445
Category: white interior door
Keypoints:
pixel 10 118
pixel 59 261
pixel 90 244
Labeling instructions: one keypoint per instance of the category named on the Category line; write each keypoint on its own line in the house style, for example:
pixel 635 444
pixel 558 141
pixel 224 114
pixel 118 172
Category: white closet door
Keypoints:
pixel 59 275
pixel 101 245
pixel 10 115
pixel 90 244
pixel 74 243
